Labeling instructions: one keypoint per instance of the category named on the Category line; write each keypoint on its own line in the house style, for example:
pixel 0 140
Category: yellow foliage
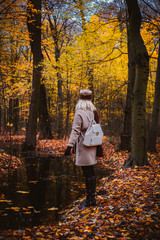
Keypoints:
pixel 96 57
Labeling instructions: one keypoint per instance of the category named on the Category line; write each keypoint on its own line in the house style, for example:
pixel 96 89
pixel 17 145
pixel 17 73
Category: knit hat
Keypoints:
pixel 85 94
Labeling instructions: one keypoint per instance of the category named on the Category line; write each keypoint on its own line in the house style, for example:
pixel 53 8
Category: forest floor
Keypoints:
pixel 128 201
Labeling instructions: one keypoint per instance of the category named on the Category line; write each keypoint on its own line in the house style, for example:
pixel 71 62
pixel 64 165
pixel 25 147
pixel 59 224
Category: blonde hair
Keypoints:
pixel 85 105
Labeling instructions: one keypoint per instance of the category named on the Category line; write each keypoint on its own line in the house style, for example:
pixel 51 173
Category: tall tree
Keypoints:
pixel 34 28
pixel 80 4
pixel 156 108
pixel 125 143
pixel 139 144
pixel 151 12
pixel 60 26
pixel 58 42
pixel 14 101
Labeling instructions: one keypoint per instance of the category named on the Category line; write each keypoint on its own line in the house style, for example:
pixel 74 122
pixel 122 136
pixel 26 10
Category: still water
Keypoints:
pixel 39 189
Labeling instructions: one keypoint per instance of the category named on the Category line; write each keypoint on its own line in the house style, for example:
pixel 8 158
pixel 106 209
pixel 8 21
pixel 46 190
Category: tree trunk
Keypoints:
pixel 0 118
pixel 34 28
pixel 68 104
pixel 4 119
pixel 60 106
pixel 127 127
pixel 10 111
pixel 91 80
pixel 1 79
pixel 138 155
pixel 89 71
pixel 156 108
pixel 59 77
pixel 15 114
pixel 44 120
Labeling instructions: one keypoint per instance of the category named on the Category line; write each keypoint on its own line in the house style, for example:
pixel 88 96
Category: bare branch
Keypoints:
pixel 7 6
pixel 151 7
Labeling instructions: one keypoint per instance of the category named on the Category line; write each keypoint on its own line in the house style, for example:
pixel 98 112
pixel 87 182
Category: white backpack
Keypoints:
pixel 93 135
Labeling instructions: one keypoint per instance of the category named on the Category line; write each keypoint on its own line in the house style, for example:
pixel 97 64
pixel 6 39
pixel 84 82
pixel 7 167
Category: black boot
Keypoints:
pixel 86 203
pixel 93 190
pixel 90 188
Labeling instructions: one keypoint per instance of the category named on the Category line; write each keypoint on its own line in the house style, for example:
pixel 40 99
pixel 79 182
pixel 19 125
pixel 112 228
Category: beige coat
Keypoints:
pixel 84 155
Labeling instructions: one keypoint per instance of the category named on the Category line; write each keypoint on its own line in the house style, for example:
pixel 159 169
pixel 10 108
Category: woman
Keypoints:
pixel 85 156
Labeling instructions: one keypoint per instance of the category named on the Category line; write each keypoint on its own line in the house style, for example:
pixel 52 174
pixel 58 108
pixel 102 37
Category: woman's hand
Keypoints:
pixel 68 151
pixel 99 152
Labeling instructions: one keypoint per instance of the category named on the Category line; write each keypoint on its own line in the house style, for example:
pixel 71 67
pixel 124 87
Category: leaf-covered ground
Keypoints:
pixel 128 203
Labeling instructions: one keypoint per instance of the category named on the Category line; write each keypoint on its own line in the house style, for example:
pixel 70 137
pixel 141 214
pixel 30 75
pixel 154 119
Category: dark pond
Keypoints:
pixel 39 189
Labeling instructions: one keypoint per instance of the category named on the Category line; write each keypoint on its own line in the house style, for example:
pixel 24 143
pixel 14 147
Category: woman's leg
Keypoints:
pixel 88 171
pixel 90 179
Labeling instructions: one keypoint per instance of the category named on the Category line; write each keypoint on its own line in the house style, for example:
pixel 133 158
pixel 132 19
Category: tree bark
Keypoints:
pixel 1 91
pixel 44 120
pixel 10 111
pixel 127 127
pixel 156 108
pixel 15 114
pixel 138 155
pixel 0 118
pixel 68 104
pixel 56 39
pixel 34 28
pixel 60 106
pixel 89 70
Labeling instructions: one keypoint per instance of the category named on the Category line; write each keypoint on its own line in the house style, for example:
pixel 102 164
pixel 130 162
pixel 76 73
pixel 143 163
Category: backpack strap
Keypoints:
pixel 91 121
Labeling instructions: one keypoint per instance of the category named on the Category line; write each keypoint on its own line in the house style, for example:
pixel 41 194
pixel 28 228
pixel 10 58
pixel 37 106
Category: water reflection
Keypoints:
pixel 38 189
